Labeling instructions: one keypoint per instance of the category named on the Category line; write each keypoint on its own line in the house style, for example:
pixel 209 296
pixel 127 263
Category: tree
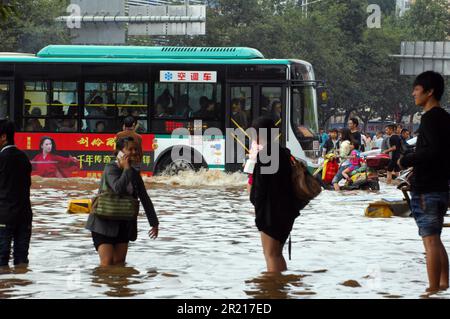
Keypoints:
pixel 33 26
pixel 428 20
pixel 6 10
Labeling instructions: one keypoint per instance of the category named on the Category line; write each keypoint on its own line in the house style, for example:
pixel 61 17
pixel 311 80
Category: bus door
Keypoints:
pixel 240 101
pixel 272 102
pixel 5 99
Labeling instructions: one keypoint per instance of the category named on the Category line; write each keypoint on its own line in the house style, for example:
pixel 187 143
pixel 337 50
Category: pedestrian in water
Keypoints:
pixel 272 194
pixel 429 186
pixel 111 237
pixel 394 149
pixel 15 207
pixel 347 145
pixel 129 130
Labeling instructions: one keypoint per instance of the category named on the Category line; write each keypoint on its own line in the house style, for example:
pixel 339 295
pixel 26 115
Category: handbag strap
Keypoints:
pixel 104 188
pixel 290 246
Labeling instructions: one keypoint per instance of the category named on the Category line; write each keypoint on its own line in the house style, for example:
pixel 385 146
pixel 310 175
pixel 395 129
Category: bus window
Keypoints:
pixel 50 106
pixel 164 100
pixel 64 106
pixel 108 103
pixel 4 101
pixel 270 103
pixel 35 105
pixel 241 106
pixel 187 100
pixel 132 100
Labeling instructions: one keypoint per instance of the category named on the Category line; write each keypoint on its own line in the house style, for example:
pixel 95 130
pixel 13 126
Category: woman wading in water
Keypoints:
pixel 272 194
pixel 111 237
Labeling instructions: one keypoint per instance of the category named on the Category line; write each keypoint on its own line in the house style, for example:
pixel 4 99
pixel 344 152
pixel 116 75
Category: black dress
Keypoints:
pixel 276 206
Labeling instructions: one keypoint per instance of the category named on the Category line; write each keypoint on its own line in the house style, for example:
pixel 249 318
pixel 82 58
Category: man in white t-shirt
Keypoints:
pixel 378 140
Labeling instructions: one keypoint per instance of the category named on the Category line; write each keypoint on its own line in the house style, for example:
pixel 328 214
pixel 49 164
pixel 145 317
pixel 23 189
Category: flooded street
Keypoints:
pixel 209 247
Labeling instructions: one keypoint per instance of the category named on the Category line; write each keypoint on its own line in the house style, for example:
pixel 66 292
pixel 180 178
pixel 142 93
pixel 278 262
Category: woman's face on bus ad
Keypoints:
pixel 47 146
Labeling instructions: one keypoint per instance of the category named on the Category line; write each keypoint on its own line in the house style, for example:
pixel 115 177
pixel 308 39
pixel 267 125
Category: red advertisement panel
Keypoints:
pixel 63 155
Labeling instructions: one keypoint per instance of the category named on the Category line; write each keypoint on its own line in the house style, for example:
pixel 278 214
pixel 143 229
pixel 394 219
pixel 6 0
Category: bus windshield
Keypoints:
pixel 304 115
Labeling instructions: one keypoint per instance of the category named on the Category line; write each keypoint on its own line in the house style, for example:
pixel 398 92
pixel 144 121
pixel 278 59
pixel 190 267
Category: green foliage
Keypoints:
pixel 428 20
pixel 6 10
pixel 31 26
pixel 353 60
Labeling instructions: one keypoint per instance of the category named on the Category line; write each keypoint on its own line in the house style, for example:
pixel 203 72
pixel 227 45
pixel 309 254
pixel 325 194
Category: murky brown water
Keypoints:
pixel 209 247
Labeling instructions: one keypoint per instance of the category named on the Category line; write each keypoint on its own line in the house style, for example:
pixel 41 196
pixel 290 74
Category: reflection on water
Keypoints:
pixel 277 286
pixel 118 281
pixel 209 247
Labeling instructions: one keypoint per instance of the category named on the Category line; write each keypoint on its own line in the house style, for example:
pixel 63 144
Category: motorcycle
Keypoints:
pixel 367 177
pixel 364 178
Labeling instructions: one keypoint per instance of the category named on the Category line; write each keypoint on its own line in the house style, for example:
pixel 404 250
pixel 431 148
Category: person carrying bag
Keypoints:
pixel 112 206
pixel 113 220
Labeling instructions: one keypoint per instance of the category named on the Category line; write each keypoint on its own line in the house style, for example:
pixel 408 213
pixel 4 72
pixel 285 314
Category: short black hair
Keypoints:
pixel 404 130
pixel 122 143
pixel 392 126
pixel 431 80
pixel 355 121
pixel 129 121
pixel 7 127
pixel 335 130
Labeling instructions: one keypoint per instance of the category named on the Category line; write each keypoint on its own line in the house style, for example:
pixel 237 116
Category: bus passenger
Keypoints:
pixel 276 112
pixel 237 115
pixel 182 108
pixel 34 124
pixel 161 111
pixel 55 113
pixel 166 100
pixel 69 124
pixel 211 111
pixel 95 111
pixel 100 127
pixel 203 102
pixel 26 107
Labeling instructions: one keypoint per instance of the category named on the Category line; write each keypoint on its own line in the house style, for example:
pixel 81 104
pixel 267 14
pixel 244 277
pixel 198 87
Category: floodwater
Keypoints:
pixel 209 247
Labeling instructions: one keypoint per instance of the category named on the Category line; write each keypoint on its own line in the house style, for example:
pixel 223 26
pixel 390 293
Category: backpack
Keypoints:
pixel 306 187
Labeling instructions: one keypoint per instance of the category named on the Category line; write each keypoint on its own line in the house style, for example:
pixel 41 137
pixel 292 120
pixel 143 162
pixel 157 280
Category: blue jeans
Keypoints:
pixel 429 210
pixel 20 234
pixel 338 177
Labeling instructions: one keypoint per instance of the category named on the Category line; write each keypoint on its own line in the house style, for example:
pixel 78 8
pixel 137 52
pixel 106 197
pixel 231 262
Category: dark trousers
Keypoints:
pixel 20 234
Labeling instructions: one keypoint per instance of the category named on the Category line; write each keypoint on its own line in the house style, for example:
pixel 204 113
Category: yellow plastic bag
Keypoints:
pixel 80 206
pixel 379 210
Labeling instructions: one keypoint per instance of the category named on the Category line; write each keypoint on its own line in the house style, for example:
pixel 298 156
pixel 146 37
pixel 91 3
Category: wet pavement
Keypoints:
pixel 209 247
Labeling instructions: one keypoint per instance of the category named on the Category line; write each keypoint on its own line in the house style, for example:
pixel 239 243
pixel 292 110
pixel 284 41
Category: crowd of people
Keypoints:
pixel 348 143
pixel 276 204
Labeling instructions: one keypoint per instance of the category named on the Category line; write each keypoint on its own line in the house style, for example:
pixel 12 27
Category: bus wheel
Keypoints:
pixel 167 166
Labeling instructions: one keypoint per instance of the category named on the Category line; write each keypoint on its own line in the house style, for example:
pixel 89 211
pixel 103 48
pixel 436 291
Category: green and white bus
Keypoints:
pixel 78 96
